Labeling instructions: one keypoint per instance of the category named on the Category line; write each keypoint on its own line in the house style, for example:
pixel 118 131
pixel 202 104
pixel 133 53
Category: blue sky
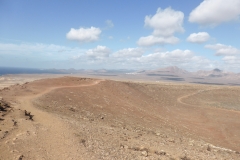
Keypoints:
pixel 193 35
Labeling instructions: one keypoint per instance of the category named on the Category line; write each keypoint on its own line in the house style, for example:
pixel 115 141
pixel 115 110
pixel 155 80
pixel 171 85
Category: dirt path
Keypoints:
pixel 113 120
pixel 214 119
pixel 180 100
pixel 49 136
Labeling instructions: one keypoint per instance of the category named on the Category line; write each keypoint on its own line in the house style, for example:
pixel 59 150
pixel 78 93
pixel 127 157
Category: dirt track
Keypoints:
pixel 93 119
pixel 55 136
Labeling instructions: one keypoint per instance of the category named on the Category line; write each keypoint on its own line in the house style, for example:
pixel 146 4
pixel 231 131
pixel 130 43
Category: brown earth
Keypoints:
pixel 83 118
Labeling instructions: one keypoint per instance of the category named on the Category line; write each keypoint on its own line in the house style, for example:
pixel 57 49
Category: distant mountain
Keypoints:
pixel 141 71
pixel 172 73
pixel 215 73
pixel 175 69
pixel 167 70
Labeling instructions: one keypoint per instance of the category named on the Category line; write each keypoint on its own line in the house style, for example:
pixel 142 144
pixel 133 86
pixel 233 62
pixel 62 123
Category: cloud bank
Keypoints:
pixel 126 58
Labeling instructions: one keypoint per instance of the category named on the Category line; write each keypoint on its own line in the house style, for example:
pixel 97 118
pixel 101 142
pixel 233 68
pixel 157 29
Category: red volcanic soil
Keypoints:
pixel 82 118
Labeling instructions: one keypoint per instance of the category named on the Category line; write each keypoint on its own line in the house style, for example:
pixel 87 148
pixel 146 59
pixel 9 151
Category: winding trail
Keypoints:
pixel 50 135
pixel 180 100
pixel 215 120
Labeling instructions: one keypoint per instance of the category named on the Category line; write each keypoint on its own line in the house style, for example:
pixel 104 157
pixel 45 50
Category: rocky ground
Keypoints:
pixel 82 118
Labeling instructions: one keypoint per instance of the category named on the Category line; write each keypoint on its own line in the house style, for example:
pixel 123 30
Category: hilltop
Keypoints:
pixel 86 118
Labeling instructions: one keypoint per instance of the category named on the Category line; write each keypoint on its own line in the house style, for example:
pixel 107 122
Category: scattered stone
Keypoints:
pixel 162 152
pixel 121 146
pixel 4 106
pixel 158 134
pixel 143 149
pixel 144 153
pixel 135 148
pixel 171 140
pixel 14 123
pixel 185 158
pixel 21 157
pixel 83 141
pixel 29 115
pixel 5 134
pixel 72 109
pixel 125 146
pixel 208 148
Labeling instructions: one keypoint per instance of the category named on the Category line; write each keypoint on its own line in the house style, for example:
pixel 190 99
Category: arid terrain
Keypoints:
pixel 87 118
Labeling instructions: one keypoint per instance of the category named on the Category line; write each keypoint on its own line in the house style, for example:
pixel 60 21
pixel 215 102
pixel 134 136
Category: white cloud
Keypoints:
pixel 55 56
pixel 98 52
pixel 129 52
pixel 231 63
pixel 223 50
pixel 178 55
pixel 185 59
pixel 200 37
pixel 110 37
pixel 109 23
pixel 84 34
pixel 214 12
pixel 230 58
pixel 165 23
pixel 152 40
pixel 134 58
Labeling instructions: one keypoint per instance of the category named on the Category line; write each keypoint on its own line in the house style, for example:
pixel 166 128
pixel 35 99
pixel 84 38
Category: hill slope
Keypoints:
pixel 83 118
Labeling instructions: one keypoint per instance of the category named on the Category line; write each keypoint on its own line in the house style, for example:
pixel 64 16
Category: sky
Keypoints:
pixel 103 34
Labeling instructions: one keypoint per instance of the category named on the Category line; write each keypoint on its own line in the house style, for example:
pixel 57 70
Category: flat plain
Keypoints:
pixel 93 118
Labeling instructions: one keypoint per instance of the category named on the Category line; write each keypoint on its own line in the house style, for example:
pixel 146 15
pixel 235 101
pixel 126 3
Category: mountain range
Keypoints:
pixel 172 73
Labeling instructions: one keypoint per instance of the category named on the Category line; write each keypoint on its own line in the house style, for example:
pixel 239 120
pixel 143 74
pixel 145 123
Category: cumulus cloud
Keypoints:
pixel 134 58
pixel 36 54
pixel 109 23
pixel 165 23
pixel 152 40
pixel 215 12
pixel 231 63
pixel 178 55
pixel 185 59
pixel 199 37
pixel 129 52
pixel 84 34
pixel 231 59
pixel 223 50
pixel 98 52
